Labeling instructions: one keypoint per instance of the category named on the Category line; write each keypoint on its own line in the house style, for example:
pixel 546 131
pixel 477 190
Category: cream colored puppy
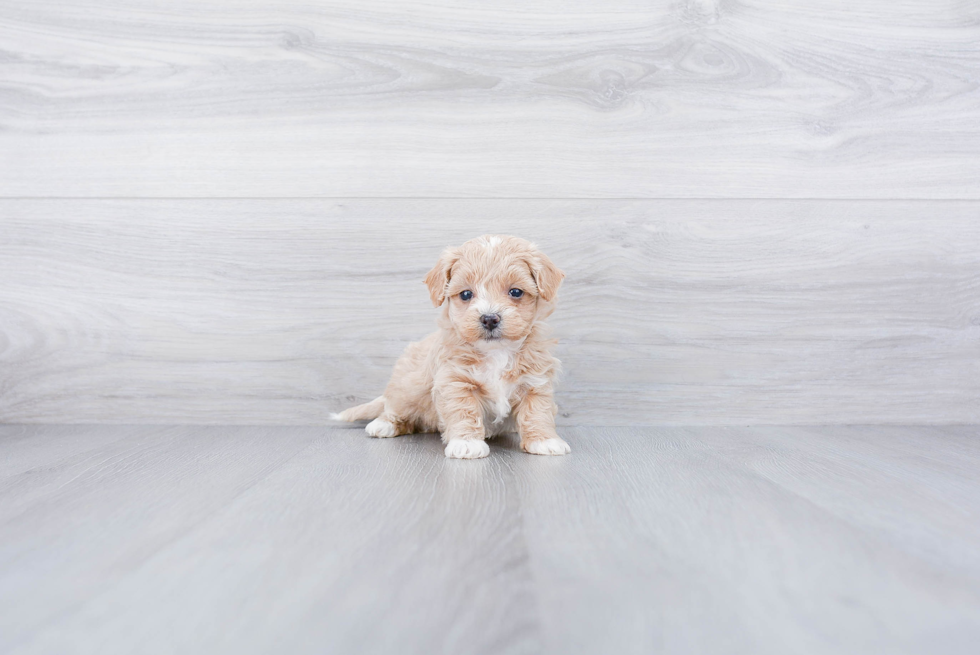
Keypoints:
pixel 488 369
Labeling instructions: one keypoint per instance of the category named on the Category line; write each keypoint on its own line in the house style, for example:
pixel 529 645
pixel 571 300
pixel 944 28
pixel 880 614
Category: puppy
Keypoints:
pixel 488 369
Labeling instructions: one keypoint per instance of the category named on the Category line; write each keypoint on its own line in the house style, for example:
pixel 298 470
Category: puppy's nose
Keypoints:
pixel 490 321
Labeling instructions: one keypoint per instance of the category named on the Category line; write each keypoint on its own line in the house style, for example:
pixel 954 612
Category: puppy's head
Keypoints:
pixel 496 287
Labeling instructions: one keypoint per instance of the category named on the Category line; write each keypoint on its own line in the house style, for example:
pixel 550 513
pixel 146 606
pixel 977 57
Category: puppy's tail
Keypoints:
pixel 365 412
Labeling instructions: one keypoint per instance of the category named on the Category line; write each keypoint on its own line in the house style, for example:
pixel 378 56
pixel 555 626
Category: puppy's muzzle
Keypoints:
pixel 490 321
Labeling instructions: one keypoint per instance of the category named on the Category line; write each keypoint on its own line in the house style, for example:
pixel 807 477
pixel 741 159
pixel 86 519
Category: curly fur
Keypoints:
pixel 470 382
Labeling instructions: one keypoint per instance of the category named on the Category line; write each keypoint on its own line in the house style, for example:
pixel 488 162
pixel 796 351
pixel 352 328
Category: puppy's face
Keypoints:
pixel 495 286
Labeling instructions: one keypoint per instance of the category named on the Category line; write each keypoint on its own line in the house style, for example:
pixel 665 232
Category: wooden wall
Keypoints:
pixel 216 212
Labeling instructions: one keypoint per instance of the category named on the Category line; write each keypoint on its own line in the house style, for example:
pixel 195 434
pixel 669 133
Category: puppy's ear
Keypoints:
pixel 547 276
pixel 438 277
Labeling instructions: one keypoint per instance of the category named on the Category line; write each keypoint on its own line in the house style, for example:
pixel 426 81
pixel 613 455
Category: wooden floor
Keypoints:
pixel 220 213
pixel 644 540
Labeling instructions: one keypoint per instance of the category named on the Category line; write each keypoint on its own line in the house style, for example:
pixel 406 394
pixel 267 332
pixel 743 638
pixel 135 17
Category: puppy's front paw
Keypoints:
pixel 467 448
pixel 552 446
pixel 380 428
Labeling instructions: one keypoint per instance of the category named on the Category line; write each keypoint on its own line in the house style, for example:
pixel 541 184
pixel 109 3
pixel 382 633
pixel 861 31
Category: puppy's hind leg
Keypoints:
pixel 390 424
pixel 387 425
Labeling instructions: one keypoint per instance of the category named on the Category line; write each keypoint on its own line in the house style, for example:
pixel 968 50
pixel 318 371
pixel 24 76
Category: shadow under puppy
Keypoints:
pixel 488 370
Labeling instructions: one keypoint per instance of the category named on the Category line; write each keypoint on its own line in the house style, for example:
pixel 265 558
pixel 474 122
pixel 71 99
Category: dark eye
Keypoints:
pixel 465 295
pixel 516 293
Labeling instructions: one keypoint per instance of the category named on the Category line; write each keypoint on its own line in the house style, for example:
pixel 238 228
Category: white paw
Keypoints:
pixel 380 428
pixel 467 448
pixel 335 416
pixel 553 446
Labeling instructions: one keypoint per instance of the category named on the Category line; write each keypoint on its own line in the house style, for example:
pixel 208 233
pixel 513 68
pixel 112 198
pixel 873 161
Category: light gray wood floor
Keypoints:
pixel 312 539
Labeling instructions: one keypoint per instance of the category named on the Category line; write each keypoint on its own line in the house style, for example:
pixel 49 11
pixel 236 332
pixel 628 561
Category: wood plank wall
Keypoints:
pixel 216 212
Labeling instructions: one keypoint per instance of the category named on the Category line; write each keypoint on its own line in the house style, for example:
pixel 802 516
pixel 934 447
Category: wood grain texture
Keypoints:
pixel 623 98
pixel 689 312
pixel 663 540
pixel 764 540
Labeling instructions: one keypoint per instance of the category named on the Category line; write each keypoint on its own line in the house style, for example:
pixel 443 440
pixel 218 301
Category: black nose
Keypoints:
pixel 490 321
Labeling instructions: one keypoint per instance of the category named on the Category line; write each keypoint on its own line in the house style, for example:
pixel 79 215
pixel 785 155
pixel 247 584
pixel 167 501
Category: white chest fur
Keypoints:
pixel 497 392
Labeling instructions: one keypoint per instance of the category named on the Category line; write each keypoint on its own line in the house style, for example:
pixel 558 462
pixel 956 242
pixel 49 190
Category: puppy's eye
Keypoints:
pixel 466 295
pixel 516 293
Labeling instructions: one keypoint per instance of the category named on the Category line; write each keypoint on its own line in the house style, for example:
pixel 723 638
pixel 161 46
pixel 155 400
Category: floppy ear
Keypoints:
pixel 438 277
pixel 547 276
